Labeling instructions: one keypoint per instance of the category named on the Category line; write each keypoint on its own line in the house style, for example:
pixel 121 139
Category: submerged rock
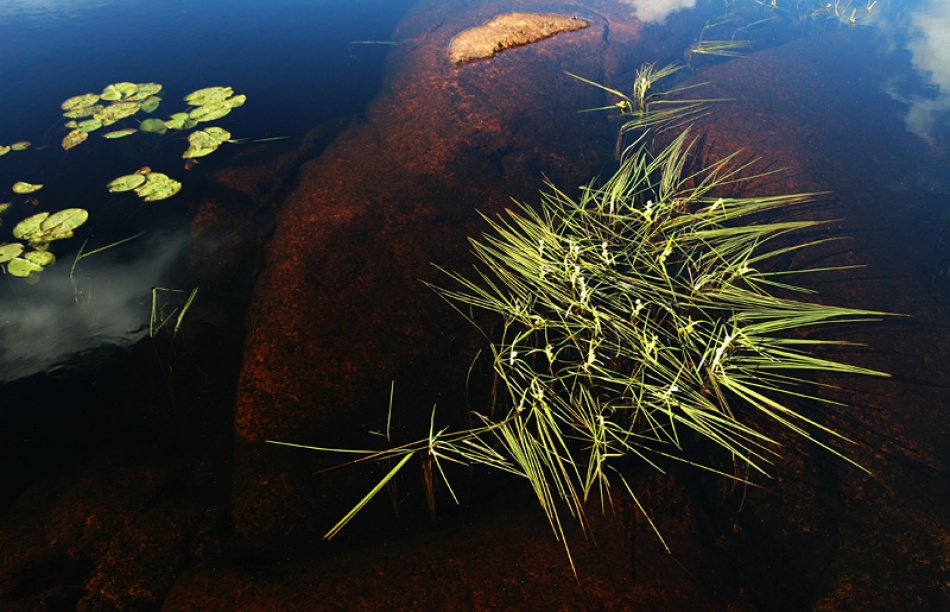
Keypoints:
pixel 509 31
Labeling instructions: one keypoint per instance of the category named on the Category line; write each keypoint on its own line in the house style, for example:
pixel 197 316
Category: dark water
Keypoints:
pixel 303 64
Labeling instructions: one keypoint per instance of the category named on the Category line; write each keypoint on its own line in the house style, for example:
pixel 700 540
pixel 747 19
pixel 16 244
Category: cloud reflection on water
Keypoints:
pixel 45 324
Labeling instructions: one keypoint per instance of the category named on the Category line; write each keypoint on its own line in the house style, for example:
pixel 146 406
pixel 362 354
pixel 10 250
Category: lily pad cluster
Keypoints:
pixel 148 185
pixel 37 232
pixel 89 112
pixel 16 146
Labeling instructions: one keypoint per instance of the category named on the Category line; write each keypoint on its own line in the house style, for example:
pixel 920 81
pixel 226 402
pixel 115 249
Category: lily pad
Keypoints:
pixel 4 149
pixel 126 183
pixel 147 90
pixel 236 101
pixel 83 111
pixel 89 125
pixel 209 94
pixel 30 227
pixel 116 112
pixel 40 258
pixel 218 135
pixel 5 206
pixel 210 111
pixel 20 146
pixel 120 133
pixel 201 143
pixel 9 250
pixel 176 121
pixel 22 187
pixel 119 91
pixel 158 187
pixel 155 126
pixel 80 101
pixel 149 104
pixel 74 138
pixel 22 268
pixel 61 224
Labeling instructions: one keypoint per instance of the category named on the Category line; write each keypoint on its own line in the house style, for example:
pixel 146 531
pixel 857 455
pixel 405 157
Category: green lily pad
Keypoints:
pixel 89 125
pixel 236 101
pixel 20 146
pixel 30 227
pixel 201 143
pixel 61 224
pixel 148 89
pixel 22 268
pixel 119 91
pixel 117 111
pixel 210 111
pixel 5 206
pixel 79 101
pixel 176 121
pixel 158 187
pixel 40 258
pixel 4 149
pixel 218 135
pixel 9 250
pixel 155 126
pixel 83 111
pixel 120 133
pixel 22 187
pixel 149 104
pixel 74 138
pixel 126 183
pixel 209 94
pixel 121 110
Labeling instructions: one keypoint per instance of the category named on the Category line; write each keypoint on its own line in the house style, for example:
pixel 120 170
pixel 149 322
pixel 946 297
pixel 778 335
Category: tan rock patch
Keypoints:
pixel 508 31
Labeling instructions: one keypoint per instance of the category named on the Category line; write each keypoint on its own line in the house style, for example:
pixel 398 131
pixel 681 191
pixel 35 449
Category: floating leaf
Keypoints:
pixel 4 149
pixel 209 94
pixel 236 101
pixel 218 135
pixel 126 183
pixel 118 91
pixel 146 90
pixel 83 111
pixel 89 125
pixel 22 187
pixel 61 224
pixel 22 268
pixel 158 187
pixel 74 138
pixel 149 104
pixel 20 146
pixel 117 111
pixel 201 143
pixel 40 258
pixel 30 226
pixel 176 121
pixel 119 133
pixel 9 250
pixel 80 101
pixel 210 111
pixel 5 206
pixel 155 126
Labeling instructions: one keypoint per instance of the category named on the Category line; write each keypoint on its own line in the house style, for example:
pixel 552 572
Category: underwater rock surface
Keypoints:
pixel 509 31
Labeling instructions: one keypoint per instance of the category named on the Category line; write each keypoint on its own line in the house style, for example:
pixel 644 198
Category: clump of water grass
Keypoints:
pixel 648 313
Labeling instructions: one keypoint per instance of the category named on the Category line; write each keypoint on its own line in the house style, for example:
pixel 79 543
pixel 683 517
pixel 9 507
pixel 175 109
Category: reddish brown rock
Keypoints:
pixel 339 311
